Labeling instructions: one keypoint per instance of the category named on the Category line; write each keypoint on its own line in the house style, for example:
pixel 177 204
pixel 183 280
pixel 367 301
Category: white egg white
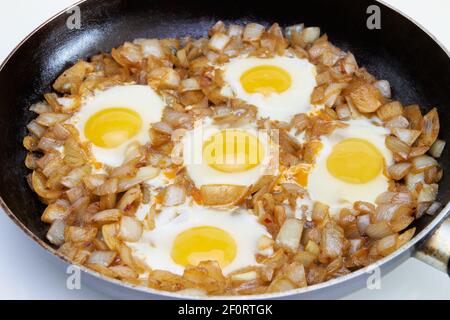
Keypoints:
pixel 155 246
pixel 324 187
pixel 276 106
pixel 139 98
pixel 203 174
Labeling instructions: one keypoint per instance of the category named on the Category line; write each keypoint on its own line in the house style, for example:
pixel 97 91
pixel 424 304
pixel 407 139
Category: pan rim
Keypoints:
pixel 285 294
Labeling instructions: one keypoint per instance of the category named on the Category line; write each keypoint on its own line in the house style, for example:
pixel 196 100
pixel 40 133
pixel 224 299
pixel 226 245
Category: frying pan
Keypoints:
pixel 401 52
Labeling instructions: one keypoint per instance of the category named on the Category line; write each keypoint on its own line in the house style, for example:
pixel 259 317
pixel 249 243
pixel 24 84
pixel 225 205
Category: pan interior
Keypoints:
pixel 417 68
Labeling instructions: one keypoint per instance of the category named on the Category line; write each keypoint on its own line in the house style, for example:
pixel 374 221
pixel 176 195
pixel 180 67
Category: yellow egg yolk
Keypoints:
pixel 355 161
pixel 301 175
pixel 233 151
pixel 111 127
pixel 203 243
pixel 266 79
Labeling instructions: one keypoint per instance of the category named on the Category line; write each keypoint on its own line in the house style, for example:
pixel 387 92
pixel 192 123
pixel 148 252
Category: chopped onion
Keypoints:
pixel 401 222
pixel 218 42
pixel 320 212
pixel 397 122
pixel 433 208
pixel 130 229
pixel 332 241
pixel 109 233
pixel 130 200
pixel 41 107
pixel 222 195
pixel 92 181
pixel 124 272
pixel 388 212
pixel 174 195
pixel 306 258
pixel 49 144
pixel 421 208
pixel 406 135
pixel 387 245
pixel 397 146
pixel 75 193
pixel 418 151
pixel 50 119
pixel 75 176
pixel 189 84
pixel 311 34
pixel 295 272
pixel 36 129
pixel 253 32
pixel 364 207
pixel 143 174
pixel 423 163
pixel 312 248
pixel 176 119
pixel 55 212
pixel 290 234
pixel 437 148
pixel 107 216
pixel 355 245
pixel 294 30
pixel 103 258
pixel 60 132
pixel 110 186
pixel 235 30
pixel 56 232
pixel 162 127
pixel 412 179
pixel 390 197
pixel 384 87
pixel 343 112
pixel 399 170
pixel 428 193
pixel 80 234
pixel 150 47
pixel 405 237
pixel 244 277
pixel 378 230
pixel 390 110
pixel 430 128
pixel 38 182
pixel 349 64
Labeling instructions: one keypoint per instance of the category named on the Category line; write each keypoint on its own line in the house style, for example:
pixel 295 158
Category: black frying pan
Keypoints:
pixel 417 67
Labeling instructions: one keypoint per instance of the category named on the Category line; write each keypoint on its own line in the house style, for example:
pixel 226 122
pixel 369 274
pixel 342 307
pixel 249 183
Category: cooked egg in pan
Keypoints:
pixel 350 165
pixel 279 87
pixel 114 118
pixel 238 156
pixel 186 235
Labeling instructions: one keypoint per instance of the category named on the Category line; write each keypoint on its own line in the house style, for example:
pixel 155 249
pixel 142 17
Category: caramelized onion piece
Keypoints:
pixel 219 195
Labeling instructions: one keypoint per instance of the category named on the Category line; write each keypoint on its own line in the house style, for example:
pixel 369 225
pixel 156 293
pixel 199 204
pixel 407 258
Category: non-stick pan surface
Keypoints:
pixel 400 52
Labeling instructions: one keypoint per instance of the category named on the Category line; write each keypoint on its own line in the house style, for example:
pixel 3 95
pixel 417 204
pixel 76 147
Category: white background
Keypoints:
pixel 27 273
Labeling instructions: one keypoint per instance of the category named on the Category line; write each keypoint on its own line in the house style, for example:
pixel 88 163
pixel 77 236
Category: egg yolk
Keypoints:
pixel 266 79
pixel 204 243
pixel 301 175
pixel 111 127
pixel 355 161
pixel 232 151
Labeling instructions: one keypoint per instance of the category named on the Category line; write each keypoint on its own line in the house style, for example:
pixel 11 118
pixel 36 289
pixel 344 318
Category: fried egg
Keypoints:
pixel 213 154
pixel 186 235
pixel 350 165
pixel 113 119
pixel 279 87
